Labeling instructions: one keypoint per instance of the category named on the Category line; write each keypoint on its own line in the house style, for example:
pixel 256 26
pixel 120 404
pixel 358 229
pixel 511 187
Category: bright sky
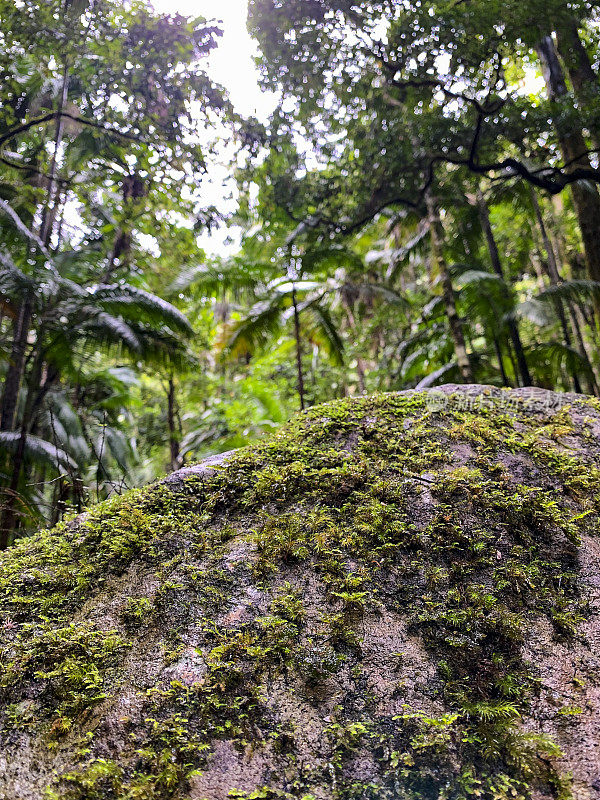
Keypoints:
pixel 231 65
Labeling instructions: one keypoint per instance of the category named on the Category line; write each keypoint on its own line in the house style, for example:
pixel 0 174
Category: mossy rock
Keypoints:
pixel 394 597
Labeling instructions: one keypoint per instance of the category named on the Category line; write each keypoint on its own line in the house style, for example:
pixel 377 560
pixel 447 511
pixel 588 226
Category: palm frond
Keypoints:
pixel 571 290
pixel 534 311
pixel 119 330
pixel 65 427
pixel 477 277
pixel 135 303
pixel 396 258
pixel 326 333
pixel 216 277
pixel 433 309
pixel 386 292
pixel 163 348
pixel 560 358
pixel 118 446
pixel 37 449
pixel 23 230
pixel 106 327
pixel 326 258
pixel 262 321
pixel 12 280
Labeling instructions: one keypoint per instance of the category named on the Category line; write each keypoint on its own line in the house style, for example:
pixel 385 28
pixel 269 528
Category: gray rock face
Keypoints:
pixel 178 479
pixel 395 597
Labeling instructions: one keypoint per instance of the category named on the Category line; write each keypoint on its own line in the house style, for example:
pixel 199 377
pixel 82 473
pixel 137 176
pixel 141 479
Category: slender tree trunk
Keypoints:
pixel 497 348
pixel 575 154
pixel 360 372
pixel 134 188
pixel 360 365
pixel 575 313
pixel 171 422
pixel 53 194
pixel 8 518
pixel 14 377
pixel 484 216
pixel 555 279
pixel 60 499
pixel 536 261
pixel 553 272
pixel 592 383
pixel 454 321
pixel 298 349
pixel 10 397
pixel 581 73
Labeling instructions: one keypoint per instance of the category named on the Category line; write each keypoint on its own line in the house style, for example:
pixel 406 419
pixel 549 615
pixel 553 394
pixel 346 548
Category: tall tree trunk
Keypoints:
pixel 484 216
pixel 581 73
pixel 8 417
pixel 555 279
pixel 172 425
pixel 298 349
pixel 14 375
pixel 536 261
pixel 52 193
pixel 16 369
pixel 8 517
pixel 134 188
pixel 360 364
pixel 576 316
pixel 438 259
pixel 498 349
pixel 591 379
pixel 361 374
pixel 575 154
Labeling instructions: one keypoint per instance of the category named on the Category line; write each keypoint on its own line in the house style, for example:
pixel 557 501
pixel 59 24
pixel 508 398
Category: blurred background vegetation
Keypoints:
pixel 421 208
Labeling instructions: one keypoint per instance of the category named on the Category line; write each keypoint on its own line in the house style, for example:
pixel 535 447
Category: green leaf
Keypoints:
pixel 37 449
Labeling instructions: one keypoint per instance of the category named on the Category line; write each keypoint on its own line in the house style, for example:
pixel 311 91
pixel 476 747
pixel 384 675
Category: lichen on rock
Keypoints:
pixel 394 597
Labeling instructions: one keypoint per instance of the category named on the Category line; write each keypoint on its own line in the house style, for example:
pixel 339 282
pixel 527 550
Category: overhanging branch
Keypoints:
pixel 54 115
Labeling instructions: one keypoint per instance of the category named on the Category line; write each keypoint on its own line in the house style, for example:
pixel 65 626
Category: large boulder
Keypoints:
pixel 394 597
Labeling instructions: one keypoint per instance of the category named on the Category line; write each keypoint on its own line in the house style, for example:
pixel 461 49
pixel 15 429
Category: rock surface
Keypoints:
pixel 395 597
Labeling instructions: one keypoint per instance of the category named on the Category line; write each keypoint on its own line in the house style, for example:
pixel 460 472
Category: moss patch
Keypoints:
pixel 258 581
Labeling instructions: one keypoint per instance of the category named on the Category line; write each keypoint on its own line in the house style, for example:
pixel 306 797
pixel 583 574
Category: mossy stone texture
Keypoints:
pixel 394 597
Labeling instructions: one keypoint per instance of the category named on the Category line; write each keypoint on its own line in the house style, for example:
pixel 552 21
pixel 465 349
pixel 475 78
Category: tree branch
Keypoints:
pixel 54 115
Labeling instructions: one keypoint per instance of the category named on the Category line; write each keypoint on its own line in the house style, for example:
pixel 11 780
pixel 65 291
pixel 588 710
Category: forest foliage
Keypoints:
pixel 422 207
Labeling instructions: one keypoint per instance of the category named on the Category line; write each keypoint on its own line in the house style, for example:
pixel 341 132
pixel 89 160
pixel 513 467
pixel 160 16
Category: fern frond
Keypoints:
pixel 134 303
pixel 37 449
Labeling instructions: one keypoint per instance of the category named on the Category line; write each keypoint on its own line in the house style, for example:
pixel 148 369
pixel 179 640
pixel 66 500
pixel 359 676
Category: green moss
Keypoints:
pixel 70 665
pixel 136 612
pixel 365 499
